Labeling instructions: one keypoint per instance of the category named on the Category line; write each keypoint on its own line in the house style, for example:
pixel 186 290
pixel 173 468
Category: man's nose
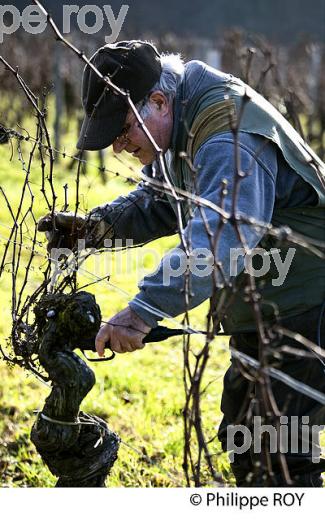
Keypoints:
pixel 119 145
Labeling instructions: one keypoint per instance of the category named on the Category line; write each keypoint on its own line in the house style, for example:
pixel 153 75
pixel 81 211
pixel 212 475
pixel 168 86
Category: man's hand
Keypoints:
pixel 62 229
pixel 125 332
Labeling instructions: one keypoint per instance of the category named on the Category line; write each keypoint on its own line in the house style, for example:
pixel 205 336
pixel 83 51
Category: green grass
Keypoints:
pixel 141 394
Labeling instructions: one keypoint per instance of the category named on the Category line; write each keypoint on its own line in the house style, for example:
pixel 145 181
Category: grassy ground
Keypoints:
pixel 140 394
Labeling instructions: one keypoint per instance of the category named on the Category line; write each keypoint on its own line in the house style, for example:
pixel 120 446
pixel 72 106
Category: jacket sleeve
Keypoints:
pixel 162 293
pixel 141 216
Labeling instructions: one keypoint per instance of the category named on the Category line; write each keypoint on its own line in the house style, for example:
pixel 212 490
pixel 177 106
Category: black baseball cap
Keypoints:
pixel 133 66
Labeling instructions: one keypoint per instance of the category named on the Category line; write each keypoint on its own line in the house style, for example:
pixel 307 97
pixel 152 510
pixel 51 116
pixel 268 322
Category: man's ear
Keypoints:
pixel 159 99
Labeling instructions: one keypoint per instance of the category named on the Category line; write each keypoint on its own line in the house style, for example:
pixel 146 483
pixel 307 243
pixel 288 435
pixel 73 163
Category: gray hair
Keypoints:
pixel 170 78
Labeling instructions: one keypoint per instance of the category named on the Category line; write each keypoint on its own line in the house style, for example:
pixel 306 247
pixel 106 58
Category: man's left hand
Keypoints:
pixel 124 332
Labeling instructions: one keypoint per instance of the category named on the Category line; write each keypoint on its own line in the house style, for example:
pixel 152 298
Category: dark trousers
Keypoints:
pixel 242 404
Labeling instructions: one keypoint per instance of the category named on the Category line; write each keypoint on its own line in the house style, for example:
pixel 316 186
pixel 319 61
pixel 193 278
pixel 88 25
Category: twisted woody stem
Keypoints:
pixel 78 448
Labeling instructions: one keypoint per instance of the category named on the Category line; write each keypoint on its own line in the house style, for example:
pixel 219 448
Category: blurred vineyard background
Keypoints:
pixel 279 49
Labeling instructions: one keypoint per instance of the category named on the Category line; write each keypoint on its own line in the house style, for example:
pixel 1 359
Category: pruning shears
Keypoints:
pixel 156 334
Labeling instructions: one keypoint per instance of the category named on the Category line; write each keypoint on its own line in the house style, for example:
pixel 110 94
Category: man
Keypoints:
pixel 226 144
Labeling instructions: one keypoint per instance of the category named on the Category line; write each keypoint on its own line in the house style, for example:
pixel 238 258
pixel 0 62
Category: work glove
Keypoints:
pixel 63 229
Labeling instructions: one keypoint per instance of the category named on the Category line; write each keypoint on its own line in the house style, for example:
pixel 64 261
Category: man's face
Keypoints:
pixel 159 123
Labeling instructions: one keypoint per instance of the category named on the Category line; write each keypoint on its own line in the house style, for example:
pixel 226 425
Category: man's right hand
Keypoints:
pixel 62 229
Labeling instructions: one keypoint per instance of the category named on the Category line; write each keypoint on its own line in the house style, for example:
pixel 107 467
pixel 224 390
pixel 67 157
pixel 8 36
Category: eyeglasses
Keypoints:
pixel 123 137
